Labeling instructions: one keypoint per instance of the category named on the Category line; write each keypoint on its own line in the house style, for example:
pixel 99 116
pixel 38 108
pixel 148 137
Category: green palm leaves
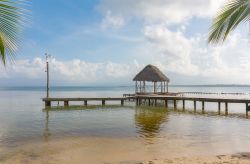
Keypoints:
pixel 234 13
pixel 11 22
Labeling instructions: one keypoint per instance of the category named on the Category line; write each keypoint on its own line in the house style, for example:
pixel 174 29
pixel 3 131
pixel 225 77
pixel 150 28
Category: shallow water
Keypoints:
pixel 159 131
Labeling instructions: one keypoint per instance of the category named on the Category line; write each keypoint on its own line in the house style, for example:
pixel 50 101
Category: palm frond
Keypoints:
pixel 233 13
pixel 11 22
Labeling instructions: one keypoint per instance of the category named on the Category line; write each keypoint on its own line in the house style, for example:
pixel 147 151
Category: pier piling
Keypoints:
pixel 183 105
pixel 203 107
pixel 219 107
pixel 194 106
pixel 226 108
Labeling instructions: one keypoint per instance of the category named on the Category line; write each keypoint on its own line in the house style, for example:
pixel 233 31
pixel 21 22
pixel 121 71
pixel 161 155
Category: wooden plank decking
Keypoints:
pixel 152 99
pixel 85 100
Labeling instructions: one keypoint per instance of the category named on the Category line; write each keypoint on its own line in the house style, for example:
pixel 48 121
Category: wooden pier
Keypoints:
pixel 66 101
pixel 153 100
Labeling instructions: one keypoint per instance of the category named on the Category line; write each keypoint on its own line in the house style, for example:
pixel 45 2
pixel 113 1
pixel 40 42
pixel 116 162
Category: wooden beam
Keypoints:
pixel 122 102
pixel 85 102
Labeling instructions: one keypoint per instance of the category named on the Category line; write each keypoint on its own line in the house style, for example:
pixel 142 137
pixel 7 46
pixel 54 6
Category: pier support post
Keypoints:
pixel 155 102
pixel 183 105
pixel 175 105
pixel 122 102
pixel 247 110
pixel 226 108
pixel 103 102
pixel 85 102
pixel 166 103
pixel 203 107
pixel 194 106
pixel 66 103
pixel 219 107
pixel 47 104
pixel 149 102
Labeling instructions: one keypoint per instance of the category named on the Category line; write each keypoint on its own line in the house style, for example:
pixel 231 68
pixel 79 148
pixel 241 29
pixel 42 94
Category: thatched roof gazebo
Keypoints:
pixel 151 74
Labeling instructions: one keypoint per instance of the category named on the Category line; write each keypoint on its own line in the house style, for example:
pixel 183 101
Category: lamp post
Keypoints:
pixel 47 71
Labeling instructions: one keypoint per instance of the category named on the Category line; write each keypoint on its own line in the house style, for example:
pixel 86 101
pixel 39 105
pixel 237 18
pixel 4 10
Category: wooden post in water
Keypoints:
pixel 85 102
pixel 122 102
pixel 103 102
pixel 47 104
pixel 219 107
pixel 246 110
pixel 183 105
pixel 166 103
pixel 203 107
pixel 226 108
pixel 66 103
pixel 155 102
pixel 175 105
pixel 194 106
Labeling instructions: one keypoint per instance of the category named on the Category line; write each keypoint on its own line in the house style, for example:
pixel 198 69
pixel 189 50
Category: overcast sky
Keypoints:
pixel 100 42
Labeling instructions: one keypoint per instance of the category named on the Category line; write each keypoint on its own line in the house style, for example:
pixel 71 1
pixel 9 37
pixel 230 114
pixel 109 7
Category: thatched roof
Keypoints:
pixel 151 73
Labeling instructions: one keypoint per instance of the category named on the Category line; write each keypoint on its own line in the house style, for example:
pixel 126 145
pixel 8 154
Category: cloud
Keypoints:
pixel 69 72
pixel 167 11
pixel 173 52
pixel 112 21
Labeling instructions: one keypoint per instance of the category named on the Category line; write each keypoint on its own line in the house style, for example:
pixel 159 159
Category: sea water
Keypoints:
pixel 157 131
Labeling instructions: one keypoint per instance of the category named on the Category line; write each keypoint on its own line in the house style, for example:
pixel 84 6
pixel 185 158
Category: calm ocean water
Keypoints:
pixel 22 119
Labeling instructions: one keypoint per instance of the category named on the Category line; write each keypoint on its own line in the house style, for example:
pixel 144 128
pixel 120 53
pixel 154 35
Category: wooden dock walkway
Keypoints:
pixel 85 100
pixel 152 100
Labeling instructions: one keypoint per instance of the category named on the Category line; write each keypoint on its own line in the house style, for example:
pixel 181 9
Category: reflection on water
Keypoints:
pixel 46 132
pixel 149 121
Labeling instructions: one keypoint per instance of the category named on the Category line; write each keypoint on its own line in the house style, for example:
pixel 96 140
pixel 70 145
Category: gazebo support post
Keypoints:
pixel 161 87
pixel 140 86
pixel 167 86
pixel 144 86
pixel 154 87
pixel 136 87
pixel 164 86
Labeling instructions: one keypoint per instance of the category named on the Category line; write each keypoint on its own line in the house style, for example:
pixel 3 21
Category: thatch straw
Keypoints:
pixel 151 73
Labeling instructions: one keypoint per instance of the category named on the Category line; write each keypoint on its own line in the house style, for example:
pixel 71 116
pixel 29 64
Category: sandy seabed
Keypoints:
pixel 114 151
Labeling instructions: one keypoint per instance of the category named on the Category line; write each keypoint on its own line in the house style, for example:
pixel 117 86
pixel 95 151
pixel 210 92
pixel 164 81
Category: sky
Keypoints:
pixel 107 42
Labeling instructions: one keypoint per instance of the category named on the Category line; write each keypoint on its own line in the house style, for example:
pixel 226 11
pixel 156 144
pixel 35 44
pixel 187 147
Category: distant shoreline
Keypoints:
pixel 126 86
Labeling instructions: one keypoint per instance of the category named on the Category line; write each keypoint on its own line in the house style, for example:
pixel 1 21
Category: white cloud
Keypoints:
pixel 173 52
pixel 69 72
pixel 170 49
pixel 112 21
pixel 167 11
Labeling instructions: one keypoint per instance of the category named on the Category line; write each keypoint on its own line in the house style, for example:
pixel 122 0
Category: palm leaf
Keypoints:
pixel 233 13
pixel 11 22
